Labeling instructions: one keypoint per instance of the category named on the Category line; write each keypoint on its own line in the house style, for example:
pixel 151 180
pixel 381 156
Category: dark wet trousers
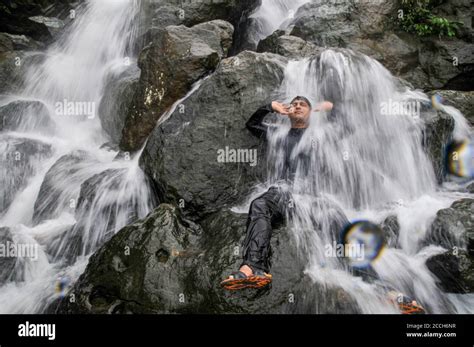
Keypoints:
pixel 266 211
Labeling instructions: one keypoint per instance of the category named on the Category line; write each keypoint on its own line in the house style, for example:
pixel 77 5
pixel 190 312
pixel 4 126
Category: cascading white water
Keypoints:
pixel 66 89
pixel 270 16
pixel 368 164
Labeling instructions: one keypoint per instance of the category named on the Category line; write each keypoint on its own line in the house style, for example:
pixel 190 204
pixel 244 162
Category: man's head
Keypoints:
pixel 300 111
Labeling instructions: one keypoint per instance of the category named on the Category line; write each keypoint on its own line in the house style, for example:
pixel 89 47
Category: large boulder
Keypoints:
pixel 167 264
pixel 454 271
pixel 428 63
pixel 26 116
pixel 139 270
pixel 453 229
pixel 181 154
pixel 453 226
pixel 326 24
pixel 21 158
pixel 337 24
pixel 288 46
pixel 177 58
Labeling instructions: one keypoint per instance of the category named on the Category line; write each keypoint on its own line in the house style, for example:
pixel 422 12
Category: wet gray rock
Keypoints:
pixel 453 229
pixel 177 58
pixel 288 46
pixel 454 271
pixel 166 264
pixel 140 270
pixel 453 226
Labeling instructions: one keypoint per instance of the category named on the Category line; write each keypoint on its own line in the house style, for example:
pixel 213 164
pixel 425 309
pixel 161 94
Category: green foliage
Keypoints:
pixel 417 18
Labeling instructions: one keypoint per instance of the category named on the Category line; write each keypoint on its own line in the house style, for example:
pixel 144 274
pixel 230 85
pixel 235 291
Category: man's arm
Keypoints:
pixel 324 106
pixel 255 123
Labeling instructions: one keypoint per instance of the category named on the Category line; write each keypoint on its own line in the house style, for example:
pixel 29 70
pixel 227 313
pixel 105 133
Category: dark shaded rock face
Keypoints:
pixel 26 17
pixel 177 58
pixel 140 269
pixel 181 154
pixel 116 101
pixel 453 229
pixel 26 116
pixel 454 270
pixel 437 134
pixel 19 162
pixel 166 264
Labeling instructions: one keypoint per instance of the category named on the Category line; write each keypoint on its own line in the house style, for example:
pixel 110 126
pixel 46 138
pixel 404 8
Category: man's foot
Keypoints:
pixel 406 304
pixel 246 278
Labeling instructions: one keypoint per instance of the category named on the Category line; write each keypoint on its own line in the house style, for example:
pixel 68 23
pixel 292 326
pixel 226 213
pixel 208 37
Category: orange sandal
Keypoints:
pixel 407 305
pixel 238 280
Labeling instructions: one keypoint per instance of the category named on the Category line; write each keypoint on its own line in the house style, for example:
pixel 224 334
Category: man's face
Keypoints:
pixel 300 111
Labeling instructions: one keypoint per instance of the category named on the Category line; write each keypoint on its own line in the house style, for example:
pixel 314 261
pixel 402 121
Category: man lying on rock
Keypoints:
pixel 272 207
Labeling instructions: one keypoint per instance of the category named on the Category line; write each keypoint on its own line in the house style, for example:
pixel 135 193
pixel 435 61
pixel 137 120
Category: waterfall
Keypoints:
pixel 270 16
pixel 64 191
pixel 367 162
pixel 65 194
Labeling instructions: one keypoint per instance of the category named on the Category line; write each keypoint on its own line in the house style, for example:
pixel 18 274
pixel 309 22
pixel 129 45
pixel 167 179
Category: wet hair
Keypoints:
pixel 302 98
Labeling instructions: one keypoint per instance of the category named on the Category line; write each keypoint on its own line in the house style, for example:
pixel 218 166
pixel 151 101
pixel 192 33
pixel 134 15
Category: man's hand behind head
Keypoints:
pixel 280 108
pixel 324 106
